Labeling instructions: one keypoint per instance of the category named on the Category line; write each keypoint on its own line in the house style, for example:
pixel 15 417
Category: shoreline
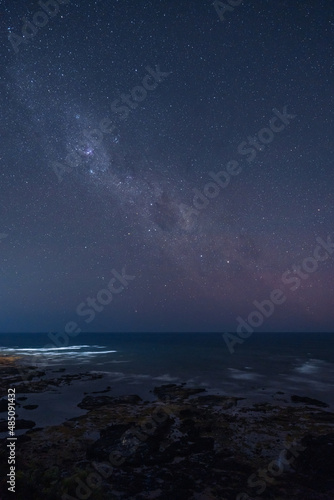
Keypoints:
pixel 64 389
pixel 208 445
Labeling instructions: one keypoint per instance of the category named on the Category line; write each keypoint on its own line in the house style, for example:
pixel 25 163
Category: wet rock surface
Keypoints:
pixel 186 444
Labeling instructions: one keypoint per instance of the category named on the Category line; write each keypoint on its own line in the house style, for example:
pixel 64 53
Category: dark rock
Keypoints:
pixel 224 401
pixel 30 407
pixel 174 391
pixel 23 438
pixel 190 413
pixel 309 401
pixel 136 445
pixel 19 424
pixel 8 370
pixel 91 402
pixel 110 436
pixel 225 461
pixel 24 424
pixel 316 462
pixel 101 392
pixel 114 432
pixel 3 405
pixel 34 430
pixel 323 416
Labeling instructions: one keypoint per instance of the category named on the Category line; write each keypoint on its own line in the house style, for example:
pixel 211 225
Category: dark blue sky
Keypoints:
pixel 163 167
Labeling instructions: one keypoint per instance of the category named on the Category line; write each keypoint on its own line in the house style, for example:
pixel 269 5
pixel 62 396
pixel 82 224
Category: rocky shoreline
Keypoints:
pixel 185 444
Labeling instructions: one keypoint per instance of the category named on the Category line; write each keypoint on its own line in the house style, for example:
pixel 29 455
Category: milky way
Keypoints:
pixel 74 207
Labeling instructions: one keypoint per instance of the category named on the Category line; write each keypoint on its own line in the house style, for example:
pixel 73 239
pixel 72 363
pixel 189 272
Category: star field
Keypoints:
pixel 116 117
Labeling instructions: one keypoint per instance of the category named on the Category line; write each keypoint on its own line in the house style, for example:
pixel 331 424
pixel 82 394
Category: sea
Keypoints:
pixel 270 366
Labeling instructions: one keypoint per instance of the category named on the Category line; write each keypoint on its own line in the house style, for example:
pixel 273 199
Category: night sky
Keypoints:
pixel 118 116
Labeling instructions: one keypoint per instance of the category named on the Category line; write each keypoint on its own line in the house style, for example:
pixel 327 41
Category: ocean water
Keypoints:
pixel 294 363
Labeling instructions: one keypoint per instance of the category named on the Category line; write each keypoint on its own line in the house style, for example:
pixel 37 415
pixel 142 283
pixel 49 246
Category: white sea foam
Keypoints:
pixel 94 352
pixel 166 378
pixel 311 366
pixel 240 375
pixel 54 351
pixel 307 368
pixel 47 349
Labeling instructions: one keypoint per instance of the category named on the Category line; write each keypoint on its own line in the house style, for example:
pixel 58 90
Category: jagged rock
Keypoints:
pixel 139 445
pixel 110 436
pixel 316 462
pixel 3 405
